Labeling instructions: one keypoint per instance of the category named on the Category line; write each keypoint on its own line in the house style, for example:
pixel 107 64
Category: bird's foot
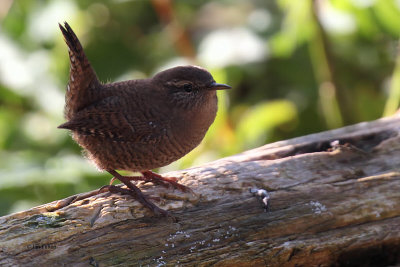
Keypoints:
pixel 143 199
pixel 132 190
pixel 165 181
pixel 136 193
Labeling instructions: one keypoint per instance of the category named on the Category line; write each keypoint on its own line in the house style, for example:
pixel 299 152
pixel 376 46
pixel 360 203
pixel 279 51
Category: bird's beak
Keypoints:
pixel 219 86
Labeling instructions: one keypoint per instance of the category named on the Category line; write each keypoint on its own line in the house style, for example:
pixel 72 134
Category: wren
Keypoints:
pixel 137 125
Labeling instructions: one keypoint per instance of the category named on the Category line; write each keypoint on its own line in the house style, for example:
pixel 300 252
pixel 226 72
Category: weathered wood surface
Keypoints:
pixel 328 206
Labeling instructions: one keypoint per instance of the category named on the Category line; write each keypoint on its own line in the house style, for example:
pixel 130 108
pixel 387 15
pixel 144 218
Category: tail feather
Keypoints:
pixel 83 80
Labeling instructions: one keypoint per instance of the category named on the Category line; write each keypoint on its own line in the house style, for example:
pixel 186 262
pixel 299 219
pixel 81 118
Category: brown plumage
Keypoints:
pixel 137 125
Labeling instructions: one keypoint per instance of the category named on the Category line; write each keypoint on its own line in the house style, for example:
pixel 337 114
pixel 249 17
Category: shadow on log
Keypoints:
pixel 334 200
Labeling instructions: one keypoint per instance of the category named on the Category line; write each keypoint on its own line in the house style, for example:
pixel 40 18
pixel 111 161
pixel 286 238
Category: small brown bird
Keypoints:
pixel 137 125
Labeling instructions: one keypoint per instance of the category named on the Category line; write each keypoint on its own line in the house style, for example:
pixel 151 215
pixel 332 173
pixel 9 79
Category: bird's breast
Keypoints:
pixel 191 125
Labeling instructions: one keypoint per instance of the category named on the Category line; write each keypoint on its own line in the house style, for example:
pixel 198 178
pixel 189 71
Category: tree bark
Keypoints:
pixel 334 199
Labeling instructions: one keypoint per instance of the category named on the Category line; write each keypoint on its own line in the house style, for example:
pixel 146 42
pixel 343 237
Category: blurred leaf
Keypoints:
pixel 292 33
pixel 389 15
pixel 258 121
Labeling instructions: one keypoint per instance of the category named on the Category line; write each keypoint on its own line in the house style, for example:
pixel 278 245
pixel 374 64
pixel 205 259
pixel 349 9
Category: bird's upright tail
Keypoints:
pixel 83 80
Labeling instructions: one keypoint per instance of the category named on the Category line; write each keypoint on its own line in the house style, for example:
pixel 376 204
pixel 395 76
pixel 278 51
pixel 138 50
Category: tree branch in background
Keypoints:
pixel 335 101
pixel 179 36
pixel 392 103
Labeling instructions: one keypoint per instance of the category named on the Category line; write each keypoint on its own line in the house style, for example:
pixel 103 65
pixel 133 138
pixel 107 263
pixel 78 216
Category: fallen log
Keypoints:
pixel 333 199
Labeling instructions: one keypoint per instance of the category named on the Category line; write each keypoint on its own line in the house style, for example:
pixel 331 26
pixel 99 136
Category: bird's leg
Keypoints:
pixel 165 181
pixel 141 178
pixel 134 192
pixel 149 176
pixel 131 178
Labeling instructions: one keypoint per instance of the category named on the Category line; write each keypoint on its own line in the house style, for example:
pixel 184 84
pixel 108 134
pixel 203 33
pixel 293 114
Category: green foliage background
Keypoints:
pixel 297 67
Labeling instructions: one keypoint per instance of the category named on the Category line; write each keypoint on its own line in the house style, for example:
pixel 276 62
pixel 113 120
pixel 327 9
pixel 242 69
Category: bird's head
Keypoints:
pixel 188 86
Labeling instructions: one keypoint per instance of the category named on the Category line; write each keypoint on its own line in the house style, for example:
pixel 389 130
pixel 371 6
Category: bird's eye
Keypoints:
pixel 187 87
